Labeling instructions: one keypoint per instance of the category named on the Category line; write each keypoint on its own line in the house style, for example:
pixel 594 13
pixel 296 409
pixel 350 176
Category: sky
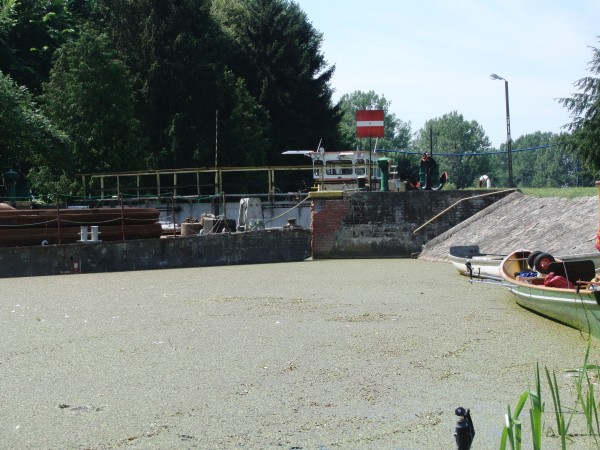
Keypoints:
pixel 430 58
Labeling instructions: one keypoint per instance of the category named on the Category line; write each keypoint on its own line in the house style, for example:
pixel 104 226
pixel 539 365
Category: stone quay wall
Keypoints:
pixel 361 224
pixel 367 224
pixel 255 247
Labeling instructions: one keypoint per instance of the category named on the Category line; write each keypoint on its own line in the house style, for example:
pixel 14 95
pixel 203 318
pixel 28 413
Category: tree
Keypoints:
pixel 584 108
pixel 30 32
pixel 541 160
pixel 277 52
pixel 90 97
pixel 82 11
pixel 29 142
pixel 397 133
pixel 174 49
pixel 16 112
pixel 452 134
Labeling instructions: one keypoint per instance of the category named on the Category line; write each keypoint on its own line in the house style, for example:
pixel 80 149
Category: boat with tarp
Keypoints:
pixel 566 291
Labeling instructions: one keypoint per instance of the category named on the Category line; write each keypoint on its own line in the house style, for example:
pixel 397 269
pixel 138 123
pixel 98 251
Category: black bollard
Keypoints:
pixel 464 431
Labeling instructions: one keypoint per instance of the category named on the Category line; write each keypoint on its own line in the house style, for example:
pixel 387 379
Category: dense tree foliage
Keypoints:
pixel 527 163
pixel 26 133
pixel 90 97
pixel 30 141
pixel 30 32
pixel 173 49
pixel 452 134
pixel 584 107
pixel 277 52
pixel 114 85
pixel 543 160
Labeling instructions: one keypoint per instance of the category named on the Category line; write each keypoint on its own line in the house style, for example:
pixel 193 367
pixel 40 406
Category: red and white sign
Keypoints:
pixel 369 123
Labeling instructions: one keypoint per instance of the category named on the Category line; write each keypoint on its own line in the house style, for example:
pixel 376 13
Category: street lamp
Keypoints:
pixel 508 139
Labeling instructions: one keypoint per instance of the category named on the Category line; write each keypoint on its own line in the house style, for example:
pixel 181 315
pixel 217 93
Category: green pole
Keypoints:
pixel 384 166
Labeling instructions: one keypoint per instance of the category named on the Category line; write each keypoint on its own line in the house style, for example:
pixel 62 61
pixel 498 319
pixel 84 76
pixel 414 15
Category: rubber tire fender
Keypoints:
pixel 531 259
pixel 542 261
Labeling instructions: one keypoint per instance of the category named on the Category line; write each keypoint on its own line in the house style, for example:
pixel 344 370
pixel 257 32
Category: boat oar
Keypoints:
pixel 591 283
pixel 496 283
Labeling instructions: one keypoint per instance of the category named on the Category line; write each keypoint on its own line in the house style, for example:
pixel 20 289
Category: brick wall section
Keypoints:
pixel 382 224
pixel 327 217
pixel 255 247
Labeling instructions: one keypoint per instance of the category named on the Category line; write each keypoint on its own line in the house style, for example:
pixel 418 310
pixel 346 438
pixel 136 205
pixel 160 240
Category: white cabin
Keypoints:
pixel 343 166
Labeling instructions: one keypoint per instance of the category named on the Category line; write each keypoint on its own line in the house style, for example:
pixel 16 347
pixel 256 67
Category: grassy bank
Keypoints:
pixel 569 192
pixel 561 192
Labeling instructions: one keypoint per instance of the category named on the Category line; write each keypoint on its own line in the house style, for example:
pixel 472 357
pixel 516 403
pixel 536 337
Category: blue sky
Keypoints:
pixel 432 57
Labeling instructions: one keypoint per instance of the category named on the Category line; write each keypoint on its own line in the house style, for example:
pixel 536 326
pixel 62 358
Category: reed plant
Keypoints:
pixel 562 426
pixel 585 405
pixel 512 427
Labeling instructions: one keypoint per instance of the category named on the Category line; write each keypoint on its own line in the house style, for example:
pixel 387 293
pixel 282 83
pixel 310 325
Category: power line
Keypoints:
pixel 408 152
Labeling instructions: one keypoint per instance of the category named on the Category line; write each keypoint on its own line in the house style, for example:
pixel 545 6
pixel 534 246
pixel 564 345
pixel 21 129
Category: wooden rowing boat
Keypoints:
pixel 470 261
pixel 577 306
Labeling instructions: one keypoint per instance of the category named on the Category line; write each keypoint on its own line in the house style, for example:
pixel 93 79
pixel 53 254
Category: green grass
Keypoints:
pixel 561 192
pixel 569 192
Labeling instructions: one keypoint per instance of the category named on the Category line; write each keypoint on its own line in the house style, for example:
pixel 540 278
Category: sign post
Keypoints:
pixel 369 123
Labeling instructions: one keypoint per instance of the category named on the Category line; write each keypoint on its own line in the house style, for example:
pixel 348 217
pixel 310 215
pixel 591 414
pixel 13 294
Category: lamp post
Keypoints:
pixel 508 139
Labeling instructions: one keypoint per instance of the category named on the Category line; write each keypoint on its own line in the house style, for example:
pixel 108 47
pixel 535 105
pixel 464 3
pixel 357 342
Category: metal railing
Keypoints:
pixel 159 182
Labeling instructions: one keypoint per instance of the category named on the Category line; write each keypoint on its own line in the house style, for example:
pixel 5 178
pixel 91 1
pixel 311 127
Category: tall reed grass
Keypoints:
pixel 585 407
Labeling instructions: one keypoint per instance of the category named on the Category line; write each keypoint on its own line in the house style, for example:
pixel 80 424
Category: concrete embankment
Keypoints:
pixel 559 226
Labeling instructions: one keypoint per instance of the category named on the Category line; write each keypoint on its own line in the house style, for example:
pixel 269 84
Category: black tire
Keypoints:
pixel 542 261
pixel 531 259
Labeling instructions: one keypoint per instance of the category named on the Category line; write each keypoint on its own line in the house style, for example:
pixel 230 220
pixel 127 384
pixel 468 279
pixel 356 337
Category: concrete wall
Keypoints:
pixel 369 224
pixel 358 225
pixel 270 246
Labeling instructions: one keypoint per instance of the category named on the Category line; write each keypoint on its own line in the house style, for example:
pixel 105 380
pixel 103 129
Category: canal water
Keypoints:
pixel 317 354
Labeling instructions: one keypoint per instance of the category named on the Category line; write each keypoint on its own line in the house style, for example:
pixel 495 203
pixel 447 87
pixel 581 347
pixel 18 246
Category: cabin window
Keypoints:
pixel 338 167
pixel 346 167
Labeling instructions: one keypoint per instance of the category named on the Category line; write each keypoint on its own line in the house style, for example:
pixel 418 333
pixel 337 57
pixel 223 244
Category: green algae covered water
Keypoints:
pixel 317 354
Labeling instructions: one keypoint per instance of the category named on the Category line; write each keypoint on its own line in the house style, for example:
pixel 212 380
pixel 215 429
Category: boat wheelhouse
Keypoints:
pixel 343 167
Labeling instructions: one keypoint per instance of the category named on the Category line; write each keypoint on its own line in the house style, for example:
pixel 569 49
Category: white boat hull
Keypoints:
pixel 470 262
pixel 478 267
